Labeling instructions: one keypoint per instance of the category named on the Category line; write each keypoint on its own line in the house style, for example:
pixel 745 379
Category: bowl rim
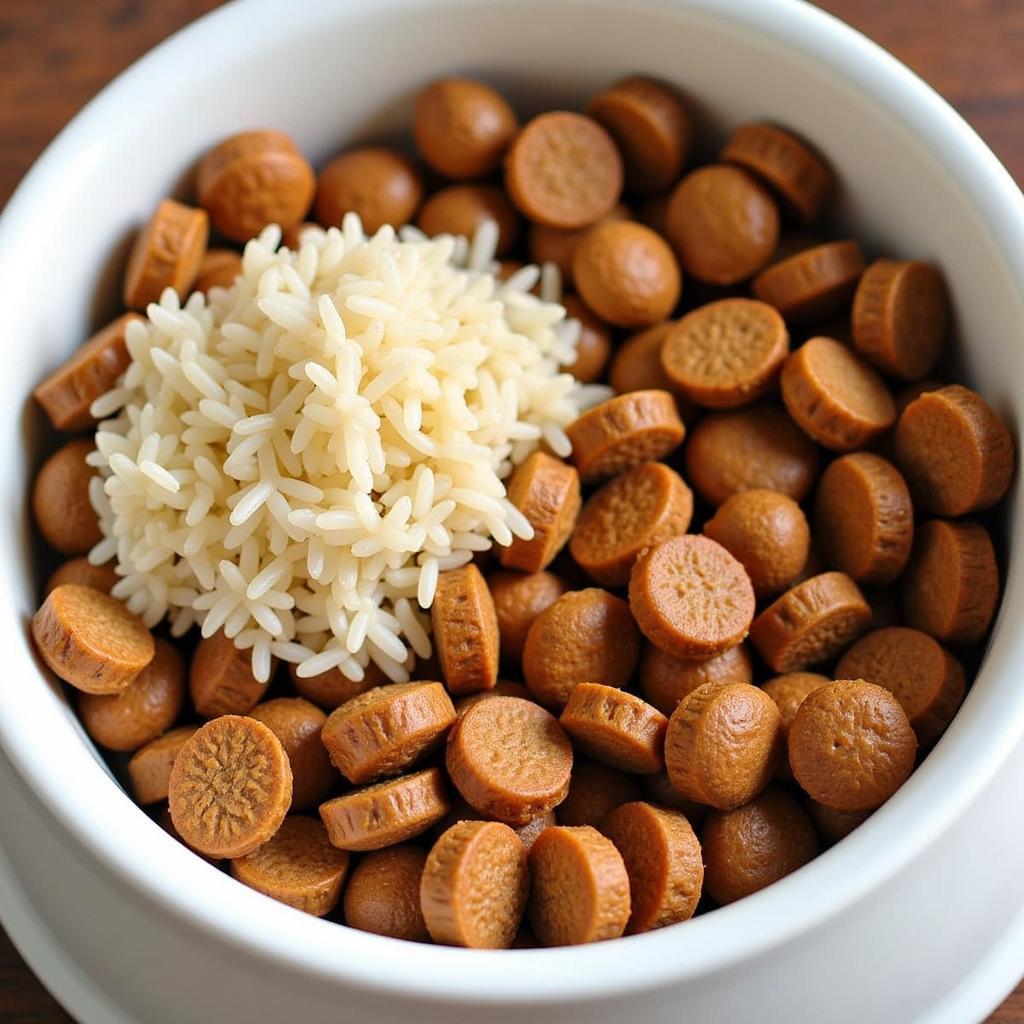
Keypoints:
pixel 189 890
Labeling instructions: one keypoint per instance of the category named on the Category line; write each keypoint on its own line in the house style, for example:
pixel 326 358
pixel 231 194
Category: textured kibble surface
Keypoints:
pixel 813 283
pixel 379 184
pixel 383 893
pixel 465 630
pixel 220 679
pixel 788 691
pixel 594 791
pixel 461 209
pixel 60 500
pixel 150 768
pixel 665 679
pixel 518 599
pixel 167 254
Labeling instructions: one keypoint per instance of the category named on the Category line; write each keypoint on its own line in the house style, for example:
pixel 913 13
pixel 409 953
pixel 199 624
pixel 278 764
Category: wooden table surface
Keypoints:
pixel 55 54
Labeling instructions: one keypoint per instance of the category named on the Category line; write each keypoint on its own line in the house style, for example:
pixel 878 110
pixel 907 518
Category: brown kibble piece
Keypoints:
pixel 381 185
pixel 150 768
pixel 658 790
pixel 924 677
pixel 219 269
pixel 851 746
pixel 636 365
pixel 812 284
pixel 502 688
pixel 722 744
pixel 298 724
pixel 547 492
pixel 465 630
pixel 834 825
pixel 83 572
pixel 789 165
pixel 167 254
pixel 460 810
pixel 811 622
pixel 461 209
pixel 595 342
pixel 723 224
pixel 650 126
pixel 626 273
pixel 834 396
pixel 955 452
pixel 462 127
pixel 220 678
pixel 579 887
pixel 518 599
pixel 387 729
pixel 148 705
pixel 383 894
pixel 725 354
pixel 594 791
pixel 474 886
pixel 387 812
pixel 636 510
pixel 298 866
pixel 624 432
pixel 690 597
pixel 164 820
pixel 864 519
pixel 748 848
pixel 759 447
pixel 665 679
pixel 92 370
pixel 90 639
pixel 900 317
pixel 767 533
pixel 585 635
pixel 788 692
pixel 557 245
pixel 332 688
pixel 951 586
pixel 616 728
pixel 60 500
pixel 230 787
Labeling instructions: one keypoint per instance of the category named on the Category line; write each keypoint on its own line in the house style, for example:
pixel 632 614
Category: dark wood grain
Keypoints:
pixel 56 54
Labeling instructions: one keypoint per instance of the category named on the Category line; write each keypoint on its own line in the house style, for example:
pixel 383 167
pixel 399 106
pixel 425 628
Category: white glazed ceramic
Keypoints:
pixel 915 917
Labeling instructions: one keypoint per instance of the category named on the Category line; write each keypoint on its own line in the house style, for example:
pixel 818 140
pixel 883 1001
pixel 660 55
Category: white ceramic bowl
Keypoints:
pixel 916 916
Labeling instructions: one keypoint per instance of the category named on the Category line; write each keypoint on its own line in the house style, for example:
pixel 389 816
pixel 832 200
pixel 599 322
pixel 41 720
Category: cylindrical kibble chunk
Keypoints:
pixel 70 390
pixel 723 224
pixel 557 245
pixel 387 812
pixel 167 254
pixel 230 787
pixel 636 510
pixel 510 759
pixel 788 692
pixel 665 679
pixel 60 500
pixel 834 396
pixel 900 317
pixel 594 346
pixel 595 790
pixel 924 677
pixel 465 630
pixel 462 127
pixel 140 712
pixel 616 728
pixel 658 790
pixel 461 209
pixel 547 492
pixel 381 185
pixel 663 861
pixel 254 179
pixel 834 825
pixel 502 688
pixel 851 746
pixel 383 894
pixel 219 269
pixel 951 586
pixel 83 572
pixel 722 744
pixel 752 846
pixel 811 622
pixel 474 886
pixel 150 768
pixel 812 284
pixel 624 432
pixel 460 810
pixel 298 866
pixel 767 533
pixel 725 354
pixel 563 170
pixel 385 730
pixel 955 452
pixel 636 365
pixel 690 597
pixel 220 678
pixel 864 519
pixel 332 688
pixel 518 599
pixel 91 640
pixel 298 724
pixel 755 448
pixel 585 635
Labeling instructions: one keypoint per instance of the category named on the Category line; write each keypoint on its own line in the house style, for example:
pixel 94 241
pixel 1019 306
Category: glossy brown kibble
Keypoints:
pixel 383 894
pixel 230 787
pixel 518 599
pixel 723 224
pixel 788 691
pixel 83 572
pixel 585 635
pixel 220 678
pixel 219 269
pixel 474 886
pixel 594 791
pixel 722 744
pixel 461 209
pixel 150 767
pixel 91 640
pixel 851 746
pixel 381 185
pixel 465 630
pixel 665 679
pixel 60 500
pixel 813 283
pixel 595 342
pixel 834 825
pixel 332 688
pixel 557 245
pixel 167 254
pixel 750 847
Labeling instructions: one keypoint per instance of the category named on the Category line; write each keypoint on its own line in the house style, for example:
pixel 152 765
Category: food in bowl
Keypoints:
pixel 318 459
